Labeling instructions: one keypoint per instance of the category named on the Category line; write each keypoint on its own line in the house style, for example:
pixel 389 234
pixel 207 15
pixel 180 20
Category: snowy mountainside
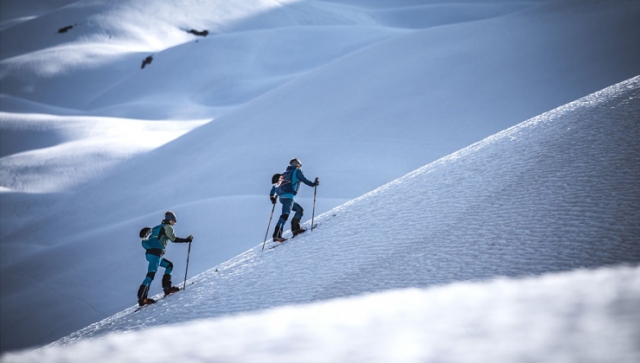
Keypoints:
pixel 363 92
pixel 579 316
pixel 556 193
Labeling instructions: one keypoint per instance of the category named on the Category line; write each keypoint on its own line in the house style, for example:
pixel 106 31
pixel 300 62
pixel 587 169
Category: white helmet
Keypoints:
pixel 295 162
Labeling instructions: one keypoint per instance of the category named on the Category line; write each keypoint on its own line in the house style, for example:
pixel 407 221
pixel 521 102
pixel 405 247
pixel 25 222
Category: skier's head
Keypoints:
pixel 275 178
pixel 170 216
pixel 295 162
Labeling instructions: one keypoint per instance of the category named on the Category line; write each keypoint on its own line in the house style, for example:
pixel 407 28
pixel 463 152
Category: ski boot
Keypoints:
pixel 142 296
pixel 147 301
pixel 277 235
pixel 166 285
pixel 295 227
pixel 171 290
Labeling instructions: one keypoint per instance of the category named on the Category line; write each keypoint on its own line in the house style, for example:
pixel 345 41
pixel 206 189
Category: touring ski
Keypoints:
pixel 281 240
pixel 140 307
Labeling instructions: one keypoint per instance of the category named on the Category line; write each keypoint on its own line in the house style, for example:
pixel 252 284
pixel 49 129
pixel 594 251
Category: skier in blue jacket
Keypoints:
pixel 286 187
pixel 154 241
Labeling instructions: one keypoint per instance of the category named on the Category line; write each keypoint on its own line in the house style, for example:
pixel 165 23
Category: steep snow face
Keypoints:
pixel 555 193
pixel 581 316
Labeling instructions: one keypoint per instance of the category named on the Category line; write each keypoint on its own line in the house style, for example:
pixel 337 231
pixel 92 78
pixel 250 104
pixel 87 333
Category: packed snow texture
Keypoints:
pixel 362 91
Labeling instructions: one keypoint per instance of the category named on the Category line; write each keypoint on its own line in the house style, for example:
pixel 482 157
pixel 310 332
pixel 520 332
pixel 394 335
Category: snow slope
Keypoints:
pixel 579 316
pixel 96 142
pixel 363 92
pixel 556 193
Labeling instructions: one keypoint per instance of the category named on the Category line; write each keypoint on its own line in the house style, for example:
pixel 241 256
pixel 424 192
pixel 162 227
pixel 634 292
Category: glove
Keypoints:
pixel 273 199
pixel 317 182
pixel 190 238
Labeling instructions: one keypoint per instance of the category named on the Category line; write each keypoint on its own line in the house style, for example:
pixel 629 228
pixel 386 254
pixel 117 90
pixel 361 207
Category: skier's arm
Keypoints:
pixel 302 178
pixel 168 230
pixel 183 240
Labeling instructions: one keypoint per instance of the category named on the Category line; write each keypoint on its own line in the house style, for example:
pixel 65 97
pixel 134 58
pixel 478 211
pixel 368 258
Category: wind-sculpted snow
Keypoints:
pixel 556 193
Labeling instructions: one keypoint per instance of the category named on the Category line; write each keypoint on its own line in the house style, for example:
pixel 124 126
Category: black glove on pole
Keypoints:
pixel 269 225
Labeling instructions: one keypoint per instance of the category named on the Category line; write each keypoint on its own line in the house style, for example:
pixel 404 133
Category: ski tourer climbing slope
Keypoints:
pixel 154 241
pixel 286 186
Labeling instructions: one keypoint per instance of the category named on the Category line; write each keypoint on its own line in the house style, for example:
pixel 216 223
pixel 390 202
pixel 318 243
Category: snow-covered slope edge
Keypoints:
pixel 555 193
pixel 577 316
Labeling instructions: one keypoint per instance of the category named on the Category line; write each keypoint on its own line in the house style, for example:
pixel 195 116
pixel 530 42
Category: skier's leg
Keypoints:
pixel 166 278
pixel 295 222
pixel 299 211
pixel 286 210
pixel 287 204
pixel 168 266
pixel 142 294
pixel 154 262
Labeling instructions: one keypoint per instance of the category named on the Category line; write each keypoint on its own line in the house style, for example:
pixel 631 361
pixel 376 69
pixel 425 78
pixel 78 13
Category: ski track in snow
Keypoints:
pixel 555 193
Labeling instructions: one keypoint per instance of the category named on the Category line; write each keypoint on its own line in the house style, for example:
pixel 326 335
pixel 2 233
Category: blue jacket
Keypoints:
pixel 156 242
pixel 296 177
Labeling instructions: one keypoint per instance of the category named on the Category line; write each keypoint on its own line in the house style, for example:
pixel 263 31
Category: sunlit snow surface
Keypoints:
pixel 74 148
pixel 556 193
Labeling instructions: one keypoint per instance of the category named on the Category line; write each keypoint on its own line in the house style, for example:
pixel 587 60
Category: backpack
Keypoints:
pixel 151 237
pixel 285 183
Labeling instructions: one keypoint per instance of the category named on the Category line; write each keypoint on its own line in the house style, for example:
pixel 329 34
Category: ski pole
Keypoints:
pixel 185 271
pixel 269 225
pixel 313 212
